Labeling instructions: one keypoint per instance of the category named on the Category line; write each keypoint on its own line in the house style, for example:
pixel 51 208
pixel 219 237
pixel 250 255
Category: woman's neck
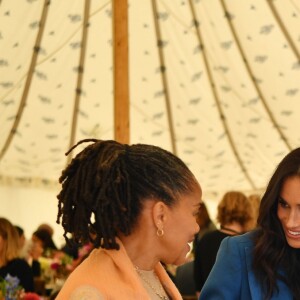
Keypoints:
pixel 138 251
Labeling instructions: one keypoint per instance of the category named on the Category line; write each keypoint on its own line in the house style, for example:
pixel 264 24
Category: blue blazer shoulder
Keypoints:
pixel 232 276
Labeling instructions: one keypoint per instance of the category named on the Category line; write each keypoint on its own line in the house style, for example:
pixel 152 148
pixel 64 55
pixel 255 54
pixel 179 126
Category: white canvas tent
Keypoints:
pixel 215 81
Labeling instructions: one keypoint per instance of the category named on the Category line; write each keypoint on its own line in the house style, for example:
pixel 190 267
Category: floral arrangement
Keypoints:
pixel 10 289
pixel 61 264
pixel 30 296
pixel 55 270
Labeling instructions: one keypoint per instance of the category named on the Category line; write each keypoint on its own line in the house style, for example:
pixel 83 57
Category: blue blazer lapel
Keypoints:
pixel 254 286
pixel 284 292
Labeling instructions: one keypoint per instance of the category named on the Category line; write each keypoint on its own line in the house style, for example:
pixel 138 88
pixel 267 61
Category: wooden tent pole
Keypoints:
pixel 121 74
pixel 29 78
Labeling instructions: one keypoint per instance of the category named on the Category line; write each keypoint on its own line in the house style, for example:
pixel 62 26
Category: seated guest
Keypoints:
pixel 10 263
pixel 205 223
pixel 42 245
pixel 255 203
pixel 47 227
pixel 24 244
pixel 21 236
pixel 43 238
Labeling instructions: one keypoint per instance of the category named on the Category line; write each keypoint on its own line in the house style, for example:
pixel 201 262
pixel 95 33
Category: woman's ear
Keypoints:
pixel 159 213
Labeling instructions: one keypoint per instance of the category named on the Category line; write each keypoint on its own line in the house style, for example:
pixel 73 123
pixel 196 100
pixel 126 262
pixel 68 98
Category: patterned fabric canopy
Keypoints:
pixel 214 81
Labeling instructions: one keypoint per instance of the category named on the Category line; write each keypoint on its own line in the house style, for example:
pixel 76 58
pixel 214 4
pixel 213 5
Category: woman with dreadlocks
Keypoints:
pixel 265 263
pixel 141 202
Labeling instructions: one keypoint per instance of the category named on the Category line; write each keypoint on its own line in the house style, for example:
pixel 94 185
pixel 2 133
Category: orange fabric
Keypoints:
pixel 112 273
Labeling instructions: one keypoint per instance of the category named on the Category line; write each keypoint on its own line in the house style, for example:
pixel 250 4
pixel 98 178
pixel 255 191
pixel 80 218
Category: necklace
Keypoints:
pixel 231 230
pixel 161 294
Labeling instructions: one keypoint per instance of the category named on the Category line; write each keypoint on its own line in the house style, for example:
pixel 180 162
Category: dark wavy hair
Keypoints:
pixel 44 236
pixel 271 252
pixel 104 186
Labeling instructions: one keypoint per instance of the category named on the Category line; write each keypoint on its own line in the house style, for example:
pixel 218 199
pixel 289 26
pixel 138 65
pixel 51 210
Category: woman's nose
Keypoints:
pixel 293 218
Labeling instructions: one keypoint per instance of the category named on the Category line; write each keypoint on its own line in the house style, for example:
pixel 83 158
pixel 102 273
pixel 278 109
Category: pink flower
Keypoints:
pixel 31 296
pixel 85 249
pixel 55 265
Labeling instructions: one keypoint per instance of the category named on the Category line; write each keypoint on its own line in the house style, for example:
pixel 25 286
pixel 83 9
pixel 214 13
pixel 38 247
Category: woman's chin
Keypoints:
pixel 183 257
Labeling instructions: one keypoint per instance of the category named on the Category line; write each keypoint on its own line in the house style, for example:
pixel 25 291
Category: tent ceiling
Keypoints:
pixel 229 69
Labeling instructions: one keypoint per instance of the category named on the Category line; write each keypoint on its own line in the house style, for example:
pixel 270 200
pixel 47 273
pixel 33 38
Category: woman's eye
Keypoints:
pixel 282 203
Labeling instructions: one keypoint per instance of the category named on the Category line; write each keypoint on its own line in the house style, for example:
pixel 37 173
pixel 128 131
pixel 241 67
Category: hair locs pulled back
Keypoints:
pixel 104 186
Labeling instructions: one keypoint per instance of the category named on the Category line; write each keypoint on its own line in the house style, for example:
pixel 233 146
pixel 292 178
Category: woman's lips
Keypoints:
pixel 294 234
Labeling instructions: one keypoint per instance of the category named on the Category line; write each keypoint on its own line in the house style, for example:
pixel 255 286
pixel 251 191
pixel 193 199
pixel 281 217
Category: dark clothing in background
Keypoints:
pixel 203 231
pixel 184 279
pixel 36 268
pixel 19 268
pixel 205 256
pixel 72 250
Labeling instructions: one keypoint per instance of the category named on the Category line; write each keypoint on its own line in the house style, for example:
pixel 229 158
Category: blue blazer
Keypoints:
pixel 232 276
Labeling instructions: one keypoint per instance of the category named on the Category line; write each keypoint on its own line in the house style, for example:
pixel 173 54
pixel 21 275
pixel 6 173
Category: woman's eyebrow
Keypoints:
pixel 280 199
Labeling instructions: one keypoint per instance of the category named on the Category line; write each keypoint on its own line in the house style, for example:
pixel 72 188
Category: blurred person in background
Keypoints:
pixel 46 227
pixel 10 263
pixel 21 235
pixel 43 238
pixel 42 245
pixel 255 203
pixel 184 276
pixel 24 244
pixel 205 223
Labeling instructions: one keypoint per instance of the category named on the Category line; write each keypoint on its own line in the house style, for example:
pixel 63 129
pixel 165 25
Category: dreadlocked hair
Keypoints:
pixel 104 186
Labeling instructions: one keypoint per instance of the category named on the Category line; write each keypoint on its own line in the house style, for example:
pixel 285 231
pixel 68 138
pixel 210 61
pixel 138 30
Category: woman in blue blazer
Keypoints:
pixel 264 264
